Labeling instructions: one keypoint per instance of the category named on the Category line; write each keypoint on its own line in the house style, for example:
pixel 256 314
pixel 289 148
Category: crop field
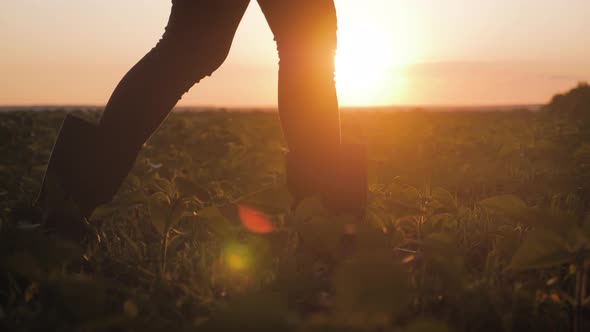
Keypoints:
pixel 477 221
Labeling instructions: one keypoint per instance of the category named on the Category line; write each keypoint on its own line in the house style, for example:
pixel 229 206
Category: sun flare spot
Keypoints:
pixel 255 221
pixel 366 64
pixel 237 257
pixel 236 262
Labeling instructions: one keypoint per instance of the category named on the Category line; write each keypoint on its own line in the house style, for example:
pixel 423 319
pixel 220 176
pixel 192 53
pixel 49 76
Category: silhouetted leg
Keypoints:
pixel 305 32
pixel 196 42
pixel 317 163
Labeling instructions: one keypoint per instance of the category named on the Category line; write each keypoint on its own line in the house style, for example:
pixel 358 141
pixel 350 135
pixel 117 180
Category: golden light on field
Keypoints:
pixel 365 66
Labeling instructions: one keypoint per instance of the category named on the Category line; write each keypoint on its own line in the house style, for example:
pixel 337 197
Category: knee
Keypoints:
pixel 309 39
pixel 194 58
pixel 212 57
pixel 307 56
pixel 201 62
pixel 308 48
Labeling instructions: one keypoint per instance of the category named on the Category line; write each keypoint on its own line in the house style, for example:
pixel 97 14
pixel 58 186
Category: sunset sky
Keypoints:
pixel 421 52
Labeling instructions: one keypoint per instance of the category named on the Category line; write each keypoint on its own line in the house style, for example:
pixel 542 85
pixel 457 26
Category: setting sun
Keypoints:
pixel 365 65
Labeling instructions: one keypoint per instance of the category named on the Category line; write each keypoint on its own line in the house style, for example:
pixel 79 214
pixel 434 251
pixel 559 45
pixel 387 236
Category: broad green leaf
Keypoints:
pixel 272 200
pixel 510 206
pixel 189 188
pixel 133 180
pixel 444 198
pixel 122 202
pixel 133 244
pixel 507 241
pixel 176 213
pixel 370 285
pixel 441 253
pixel 163 185
pixel 404 201
pixel 104 211
pixel 541 249
pixel 159 213
pixel 407 196
pixel 131 198
pixel 504 203
pixel 577 240
pixel 215 221
pixel 160 196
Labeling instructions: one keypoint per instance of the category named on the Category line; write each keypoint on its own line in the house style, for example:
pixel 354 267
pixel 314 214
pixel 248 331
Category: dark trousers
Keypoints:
pixel 196 42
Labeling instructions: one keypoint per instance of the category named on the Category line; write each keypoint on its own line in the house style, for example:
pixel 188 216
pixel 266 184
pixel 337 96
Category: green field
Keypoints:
pixel 476 222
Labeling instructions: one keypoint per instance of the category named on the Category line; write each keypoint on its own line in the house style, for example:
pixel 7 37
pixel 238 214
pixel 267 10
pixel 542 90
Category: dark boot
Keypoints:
pixel 68 193
pixel 339 179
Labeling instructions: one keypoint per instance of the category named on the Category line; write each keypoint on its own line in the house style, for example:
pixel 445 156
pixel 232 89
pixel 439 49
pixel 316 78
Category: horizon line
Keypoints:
pixel 274 107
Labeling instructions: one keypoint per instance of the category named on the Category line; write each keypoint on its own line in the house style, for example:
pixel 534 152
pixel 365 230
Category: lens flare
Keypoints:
pixel 236 262
pixel 255 221
pixel 237 257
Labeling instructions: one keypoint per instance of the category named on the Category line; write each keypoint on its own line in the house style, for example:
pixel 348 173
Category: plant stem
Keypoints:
pixel 164 251
pixel 579 295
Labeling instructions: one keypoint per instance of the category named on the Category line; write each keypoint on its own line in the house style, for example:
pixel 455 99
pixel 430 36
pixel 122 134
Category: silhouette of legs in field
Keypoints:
pixel 196 42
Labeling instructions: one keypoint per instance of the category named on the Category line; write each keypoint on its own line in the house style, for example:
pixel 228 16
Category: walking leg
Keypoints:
pixel 89 163
pixel 317 163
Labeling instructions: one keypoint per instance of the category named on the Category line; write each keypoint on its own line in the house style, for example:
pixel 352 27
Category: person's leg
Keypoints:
pixel 196 42
pixel 305 33
pixel 317 163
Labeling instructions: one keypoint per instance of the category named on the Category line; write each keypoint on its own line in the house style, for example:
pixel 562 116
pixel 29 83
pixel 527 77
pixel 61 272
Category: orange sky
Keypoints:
pixel 457 52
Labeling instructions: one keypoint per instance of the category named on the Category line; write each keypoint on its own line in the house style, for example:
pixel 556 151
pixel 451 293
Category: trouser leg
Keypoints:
pixel 305 33
pixel 317 162
pixel 196 42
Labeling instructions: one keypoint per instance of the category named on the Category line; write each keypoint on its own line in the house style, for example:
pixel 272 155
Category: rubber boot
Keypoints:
pixel 340 179
pixel 67 197
pixel 347 193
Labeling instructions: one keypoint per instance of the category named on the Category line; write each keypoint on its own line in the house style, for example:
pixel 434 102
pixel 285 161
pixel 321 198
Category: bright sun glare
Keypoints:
pixel 365 63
